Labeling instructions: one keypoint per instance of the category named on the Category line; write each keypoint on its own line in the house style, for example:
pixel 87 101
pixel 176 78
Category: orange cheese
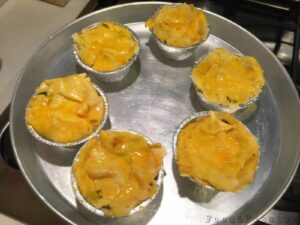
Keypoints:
pixel 116 171
pixel 106 47
pixel 180 25
pixel 66 109
pixel 219 151
pixel 227 79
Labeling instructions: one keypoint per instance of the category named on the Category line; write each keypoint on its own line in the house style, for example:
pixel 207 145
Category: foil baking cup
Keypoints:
pixel 219 107
pixel 76 143
pixel 176 136
pixel 181 126
pixel 177 53
pixel 99 212
pixel 113 75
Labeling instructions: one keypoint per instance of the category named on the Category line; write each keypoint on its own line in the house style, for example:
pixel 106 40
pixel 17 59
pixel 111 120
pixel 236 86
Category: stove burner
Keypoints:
pixel 5 143
pixel 6 148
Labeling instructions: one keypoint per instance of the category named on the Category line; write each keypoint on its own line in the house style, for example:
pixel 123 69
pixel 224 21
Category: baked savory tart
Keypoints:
pixel 215 149
pixel 66 109
pixel 179 25
pixel 227 79
pixel 105 46
pixel 118 170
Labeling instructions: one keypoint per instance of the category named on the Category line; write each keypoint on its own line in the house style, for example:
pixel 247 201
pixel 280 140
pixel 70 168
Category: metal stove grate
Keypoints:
pixel 276 23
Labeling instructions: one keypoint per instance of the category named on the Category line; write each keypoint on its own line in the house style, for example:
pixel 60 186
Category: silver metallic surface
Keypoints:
pixel 67 146
pixel 152 99
pixel 177 53
pixel 99 212
pixel 109 76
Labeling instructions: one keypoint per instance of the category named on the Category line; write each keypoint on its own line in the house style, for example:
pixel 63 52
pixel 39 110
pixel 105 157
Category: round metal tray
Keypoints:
pixel 153 99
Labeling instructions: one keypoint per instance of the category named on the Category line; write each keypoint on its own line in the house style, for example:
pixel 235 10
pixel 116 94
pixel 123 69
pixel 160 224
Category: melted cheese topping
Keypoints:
pixel 66 109
pixel 219 151
pixel 179 25
pixel 227 79
pixel 116 171
pixel 106 47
